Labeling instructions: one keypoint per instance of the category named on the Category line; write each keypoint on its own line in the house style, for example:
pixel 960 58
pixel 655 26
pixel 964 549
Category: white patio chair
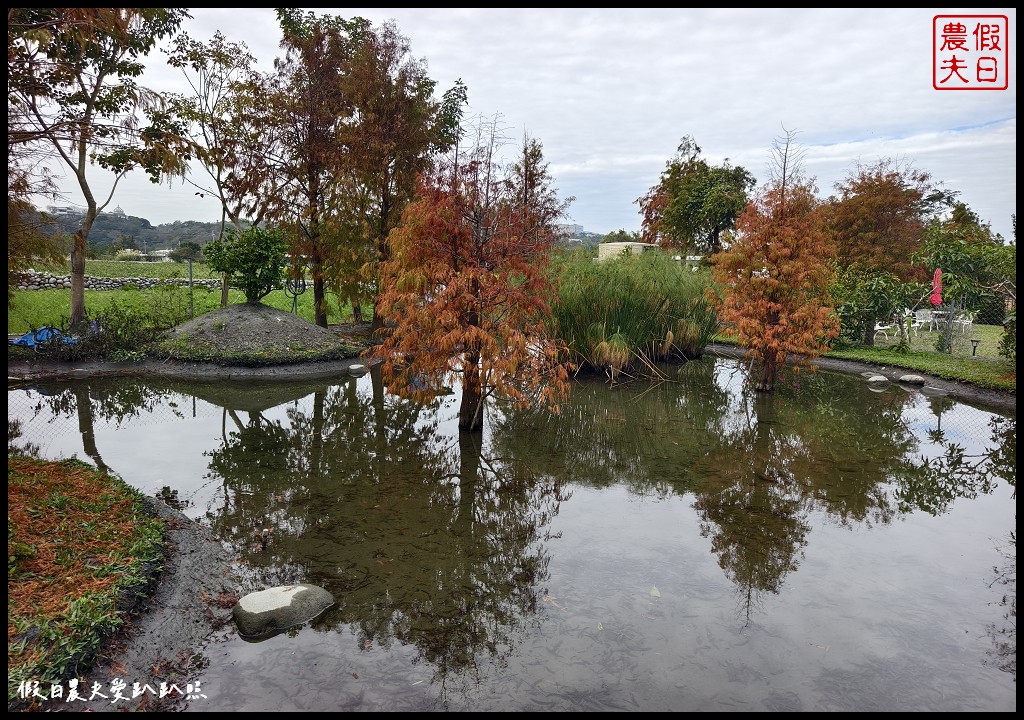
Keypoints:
pixel 964 321
pixel 883 329
pixel 925 318
pixel 913 323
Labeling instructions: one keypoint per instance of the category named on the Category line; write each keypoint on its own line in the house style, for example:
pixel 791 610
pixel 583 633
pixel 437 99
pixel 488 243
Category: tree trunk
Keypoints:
pixel 769 368
pixel 319 299
pixel 78 283
pixel 224 287
pixel 471 411
pixel 869 331
pixel 78 248
pixel 316 270
pixel 357 312
pixel 376 322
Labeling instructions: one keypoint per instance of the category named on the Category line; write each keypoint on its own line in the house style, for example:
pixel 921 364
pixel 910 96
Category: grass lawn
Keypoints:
pixel 128 268
pixel 988 337
pixel 983 367
pixel 38 308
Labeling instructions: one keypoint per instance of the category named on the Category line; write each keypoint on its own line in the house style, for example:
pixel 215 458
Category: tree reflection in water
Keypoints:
pixel 424 539
pixel 757 465
pixel 1004 633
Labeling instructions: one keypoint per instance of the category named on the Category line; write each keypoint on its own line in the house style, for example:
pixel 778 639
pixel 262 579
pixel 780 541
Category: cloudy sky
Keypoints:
pixel 610 93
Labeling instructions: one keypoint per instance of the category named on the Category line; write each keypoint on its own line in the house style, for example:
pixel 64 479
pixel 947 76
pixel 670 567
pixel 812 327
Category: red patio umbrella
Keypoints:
pixel 936 297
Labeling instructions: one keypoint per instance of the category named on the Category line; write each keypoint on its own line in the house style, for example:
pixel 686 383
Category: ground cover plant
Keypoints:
pixel 79 546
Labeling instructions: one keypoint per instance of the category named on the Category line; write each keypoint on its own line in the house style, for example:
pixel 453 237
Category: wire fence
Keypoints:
pixel 974 339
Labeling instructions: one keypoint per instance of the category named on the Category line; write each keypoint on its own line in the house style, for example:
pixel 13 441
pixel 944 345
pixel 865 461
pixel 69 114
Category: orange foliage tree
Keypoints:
pixel 775 274
pixel 465 289
pixel 877 224
pixel 877 221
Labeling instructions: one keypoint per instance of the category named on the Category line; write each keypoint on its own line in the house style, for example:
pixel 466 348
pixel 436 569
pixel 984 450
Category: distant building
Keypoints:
pixel 606 251
pixel 57 210
pixel 118 211
pixel 569 231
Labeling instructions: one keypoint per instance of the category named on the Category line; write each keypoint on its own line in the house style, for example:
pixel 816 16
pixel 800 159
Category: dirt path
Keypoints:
pixel 190 603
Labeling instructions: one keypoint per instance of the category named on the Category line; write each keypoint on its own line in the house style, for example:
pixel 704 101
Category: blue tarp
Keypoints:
pixel 43 335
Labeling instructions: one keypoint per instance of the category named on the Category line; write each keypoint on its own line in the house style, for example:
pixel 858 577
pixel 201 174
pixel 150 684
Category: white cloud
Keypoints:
pixel 611 92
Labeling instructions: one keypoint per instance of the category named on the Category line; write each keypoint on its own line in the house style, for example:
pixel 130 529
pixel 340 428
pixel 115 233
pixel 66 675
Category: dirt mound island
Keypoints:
pixel 247 334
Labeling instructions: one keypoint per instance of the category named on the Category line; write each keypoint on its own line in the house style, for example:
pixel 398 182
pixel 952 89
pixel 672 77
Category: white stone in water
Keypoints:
pixel 878 378
pixel 279 608
pixel 912 379
pixel 357 369
pixel 266 600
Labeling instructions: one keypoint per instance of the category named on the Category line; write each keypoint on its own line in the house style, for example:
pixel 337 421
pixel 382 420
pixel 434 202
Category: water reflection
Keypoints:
pixel 591 549
pixel 423 538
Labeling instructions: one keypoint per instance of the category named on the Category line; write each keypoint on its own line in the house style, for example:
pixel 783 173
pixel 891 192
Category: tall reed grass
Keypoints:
pixel 623 314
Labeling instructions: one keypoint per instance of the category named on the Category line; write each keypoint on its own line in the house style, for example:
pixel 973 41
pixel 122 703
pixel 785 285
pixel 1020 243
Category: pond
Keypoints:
pixel 677 546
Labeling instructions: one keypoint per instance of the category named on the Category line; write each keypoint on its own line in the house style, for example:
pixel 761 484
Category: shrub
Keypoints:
pixel 253 260
pixel 1008 343
pixel 123 329
pixel 128 254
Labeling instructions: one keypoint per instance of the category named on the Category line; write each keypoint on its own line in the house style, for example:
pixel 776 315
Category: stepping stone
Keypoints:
pixel 912 379
pixel 357 370
pixel 279 608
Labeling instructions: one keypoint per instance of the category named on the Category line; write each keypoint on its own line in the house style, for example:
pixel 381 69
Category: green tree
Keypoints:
pixel 72 74
pixel 124 241
pixel 864 295
pixel 775 275
pixel 227 124
pixel 253 260
pixel 978 268
pixel 975 262
pixel 621 236
pixel 186 251
pixel 694 202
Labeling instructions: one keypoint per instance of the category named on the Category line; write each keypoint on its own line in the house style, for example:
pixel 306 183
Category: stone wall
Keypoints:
pixel 33 280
